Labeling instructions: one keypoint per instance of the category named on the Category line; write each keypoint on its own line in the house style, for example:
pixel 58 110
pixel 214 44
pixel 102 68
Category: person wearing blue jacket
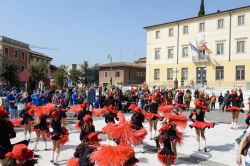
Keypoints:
pixel 37 99
pixel 75 98
pixel 11 100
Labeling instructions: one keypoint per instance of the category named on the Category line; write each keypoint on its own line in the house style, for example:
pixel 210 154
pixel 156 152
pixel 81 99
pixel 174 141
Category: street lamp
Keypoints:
pixel 176 81
pixel 111 82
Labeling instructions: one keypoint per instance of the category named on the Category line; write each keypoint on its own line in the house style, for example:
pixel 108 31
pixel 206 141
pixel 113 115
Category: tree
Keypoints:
pixel 85 72
pixel 9 72
pixel 75 76
pixel 202 9
pixel 38 72
pixel 61 76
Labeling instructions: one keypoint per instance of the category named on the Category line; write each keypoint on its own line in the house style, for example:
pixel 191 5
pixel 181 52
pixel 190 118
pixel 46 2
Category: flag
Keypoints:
pixel 195 51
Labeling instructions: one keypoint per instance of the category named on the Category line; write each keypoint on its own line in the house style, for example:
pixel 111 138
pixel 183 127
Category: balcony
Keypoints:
pixel 200 58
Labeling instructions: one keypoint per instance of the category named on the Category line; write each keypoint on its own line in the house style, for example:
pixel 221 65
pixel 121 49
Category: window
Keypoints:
pixel 241 20
pixel 170 74
pixel 16 54
pixel 157 74
pixel 220 24
pixel 105 74
pixel 185 30
pixel 219 75
pixel 171 32
pixel 23 56
pixel 157 54
pixel 220 48
pixel 140 74
pixel 240 46
pixel 37 59
pixel 202 27
pixel 6 51
pixel 117 74
pixel 170 53
pixel 184 73
pixel 157 34
pixel 240 73
pixel 185 52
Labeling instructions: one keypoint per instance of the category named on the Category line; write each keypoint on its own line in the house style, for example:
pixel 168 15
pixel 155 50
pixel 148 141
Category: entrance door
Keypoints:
pixel 201 74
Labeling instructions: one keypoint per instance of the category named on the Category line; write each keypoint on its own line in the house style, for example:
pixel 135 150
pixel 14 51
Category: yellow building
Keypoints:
pixel 219 55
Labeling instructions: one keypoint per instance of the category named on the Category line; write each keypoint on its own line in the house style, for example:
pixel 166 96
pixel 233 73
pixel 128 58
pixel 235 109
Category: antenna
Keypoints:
pixel 44 48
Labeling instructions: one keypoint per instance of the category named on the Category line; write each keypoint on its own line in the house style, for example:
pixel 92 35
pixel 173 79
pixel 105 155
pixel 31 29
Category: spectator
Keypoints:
pixel 226 101
pixel 188 98
pixel 196 94
pixel 37 98
pixel 213 101
pixel 75 98
pixel 11 100
pixel 220 100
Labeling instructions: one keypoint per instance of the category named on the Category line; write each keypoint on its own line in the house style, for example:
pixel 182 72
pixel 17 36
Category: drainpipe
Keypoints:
pixel 178 36
pixel 230 35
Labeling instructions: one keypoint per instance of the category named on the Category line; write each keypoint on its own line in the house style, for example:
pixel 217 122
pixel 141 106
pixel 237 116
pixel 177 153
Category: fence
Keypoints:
pixel 219 85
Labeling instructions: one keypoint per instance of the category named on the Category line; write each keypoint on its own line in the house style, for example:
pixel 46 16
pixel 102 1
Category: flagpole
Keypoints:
pixel 111 70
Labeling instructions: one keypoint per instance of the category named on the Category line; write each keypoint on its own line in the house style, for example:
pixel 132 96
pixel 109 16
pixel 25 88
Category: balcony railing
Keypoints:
pixel 200 58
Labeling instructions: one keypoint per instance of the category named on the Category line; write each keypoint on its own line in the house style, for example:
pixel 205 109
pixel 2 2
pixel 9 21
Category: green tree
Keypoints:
pixel 202 9
pixel 75 76
pixel 9 72
pixel 85 72
pixel 61 76
pixel 38 72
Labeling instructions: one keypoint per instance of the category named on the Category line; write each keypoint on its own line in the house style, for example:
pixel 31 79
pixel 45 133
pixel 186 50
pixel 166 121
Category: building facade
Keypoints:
pixel 122 73
pixel 21 53
pixel 213 49
pixel 16 51
pixel 36 57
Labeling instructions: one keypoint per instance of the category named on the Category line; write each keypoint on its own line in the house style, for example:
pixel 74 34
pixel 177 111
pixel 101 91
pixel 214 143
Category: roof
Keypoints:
pixel 211 14
pixel 13 41
pixel 53 67
pixel 141 59
pixel 40 54
pixel 122 64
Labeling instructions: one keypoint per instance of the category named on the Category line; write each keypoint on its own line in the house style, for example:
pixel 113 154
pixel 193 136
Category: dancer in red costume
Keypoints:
pixel 84 150
pixel 27 120
pixel 41 128
pixel 201 107
pixel 136 121
pixel 153 116
pixel 59 135
pixel 235 108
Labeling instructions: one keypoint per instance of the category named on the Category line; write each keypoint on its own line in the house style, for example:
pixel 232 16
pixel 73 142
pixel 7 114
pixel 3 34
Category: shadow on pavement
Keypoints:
pixel 221 148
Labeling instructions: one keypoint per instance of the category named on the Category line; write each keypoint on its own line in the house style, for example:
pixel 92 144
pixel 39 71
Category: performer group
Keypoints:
pixel 121 134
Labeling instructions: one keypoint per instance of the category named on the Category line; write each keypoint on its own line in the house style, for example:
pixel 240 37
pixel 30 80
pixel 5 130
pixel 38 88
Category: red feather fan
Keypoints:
pixel 112 155
pixel 99 111
pixel 76 108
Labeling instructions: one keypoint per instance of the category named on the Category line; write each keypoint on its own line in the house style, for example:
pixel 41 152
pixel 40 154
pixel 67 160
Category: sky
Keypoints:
pixel 93 29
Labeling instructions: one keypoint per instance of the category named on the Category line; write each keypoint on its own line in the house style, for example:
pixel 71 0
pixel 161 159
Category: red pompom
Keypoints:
pixel 112 155
pixel 99 111
pixel 73 162
pixel 126 135
pixel 76 108
pixel 17 122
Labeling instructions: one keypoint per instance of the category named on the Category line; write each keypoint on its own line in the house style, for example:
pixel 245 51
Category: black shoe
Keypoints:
pixel 52 161
pixel 205 149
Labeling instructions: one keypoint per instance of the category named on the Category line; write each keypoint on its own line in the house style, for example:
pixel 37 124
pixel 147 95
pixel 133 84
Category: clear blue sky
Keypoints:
pixel 92 29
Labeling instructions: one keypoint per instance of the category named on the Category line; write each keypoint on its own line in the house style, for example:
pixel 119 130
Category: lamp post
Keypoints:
pixel 111 81
pixel 176 81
